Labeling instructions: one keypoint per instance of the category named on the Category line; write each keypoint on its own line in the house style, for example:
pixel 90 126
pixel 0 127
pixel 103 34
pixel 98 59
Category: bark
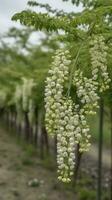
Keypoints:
pixel 36 128
pixel 42 146
pixel 77 165
pixel 101 121
pixel 27 127
pixel 40 115
pixel 31 134
pixel 46 140
pixel 55 146
pixel 111 154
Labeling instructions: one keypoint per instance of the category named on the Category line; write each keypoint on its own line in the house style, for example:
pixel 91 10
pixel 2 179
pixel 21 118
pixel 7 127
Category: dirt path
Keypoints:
pixel 14 175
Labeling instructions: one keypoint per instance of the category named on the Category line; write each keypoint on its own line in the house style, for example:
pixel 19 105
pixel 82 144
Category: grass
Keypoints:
pixel 85 194
pixel 27 161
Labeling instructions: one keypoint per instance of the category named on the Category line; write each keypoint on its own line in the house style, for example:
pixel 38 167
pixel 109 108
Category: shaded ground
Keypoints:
pixel 16 172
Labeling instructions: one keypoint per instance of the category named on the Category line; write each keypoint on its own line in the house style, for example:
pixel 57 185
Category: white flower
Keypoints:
pixel 98 53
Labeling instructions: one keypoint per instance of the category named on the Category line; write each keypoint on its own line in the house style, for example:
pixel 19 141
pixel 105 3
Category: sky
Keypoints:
pixel 9 7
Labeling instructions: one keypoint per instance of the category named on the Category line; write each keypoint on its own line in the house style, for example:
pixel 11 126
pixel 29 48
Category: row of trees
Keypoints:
pixel 23 69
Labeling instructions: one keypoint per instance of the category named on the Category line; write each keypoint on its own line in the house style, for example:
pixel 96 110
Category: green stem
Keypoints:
pixel 72 70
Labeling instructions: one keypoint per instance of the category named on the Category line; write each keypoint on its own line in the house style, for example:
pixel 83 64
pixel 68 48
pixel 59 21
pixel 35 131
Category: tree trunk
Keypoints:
pixel 10 119
pixel 15 119
pixel 101 121
pixel 55 146
pixel 46 141
pixel 111 154
pixel 31 134
pixel 7 119
pixel 27 127
pixel 36 128
pixel 77 166
pixel 40 115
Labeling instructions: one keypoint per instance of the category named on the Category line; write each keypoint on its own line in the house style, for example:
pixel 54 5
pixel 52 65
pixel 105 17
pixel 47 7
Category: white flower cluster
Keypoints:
pixel 66 141
pixel 58 74
pixel 66 119
pixel 98 52
pixel 86 90
pixel 23 98
pixel 59 114
pixel 72 129
pixel 27 87
pixel 63 117
pixel 87 97
pixel 82 131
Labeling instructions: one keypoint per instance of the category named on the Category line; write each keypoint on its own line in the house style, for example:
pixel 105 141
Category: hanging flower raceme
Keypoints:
pixel 23 98
pixel 86 90
pixel 82 134
pixel 59 115
pixel 67 118
pixel 87 98
pixel 55 82
pixel 66 141
pixel 98 52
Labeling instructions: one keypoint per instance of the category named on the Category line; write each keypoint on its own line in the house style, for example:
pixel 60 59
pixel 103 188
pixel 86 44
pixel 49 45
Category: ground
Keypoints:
pixel 18 168
pixel 16 172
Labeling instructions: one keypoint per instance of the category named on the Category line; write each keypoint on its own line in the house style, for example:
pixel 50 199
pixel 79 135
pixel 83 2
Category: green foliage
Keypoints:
pixel 23 59
pixel 89 3
pixel 85 194
pixel 106 196
pixel 69 24
pixel 30 151
pixel 47 7
pixel 48 163
pixel 43 21
pixel 27 161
